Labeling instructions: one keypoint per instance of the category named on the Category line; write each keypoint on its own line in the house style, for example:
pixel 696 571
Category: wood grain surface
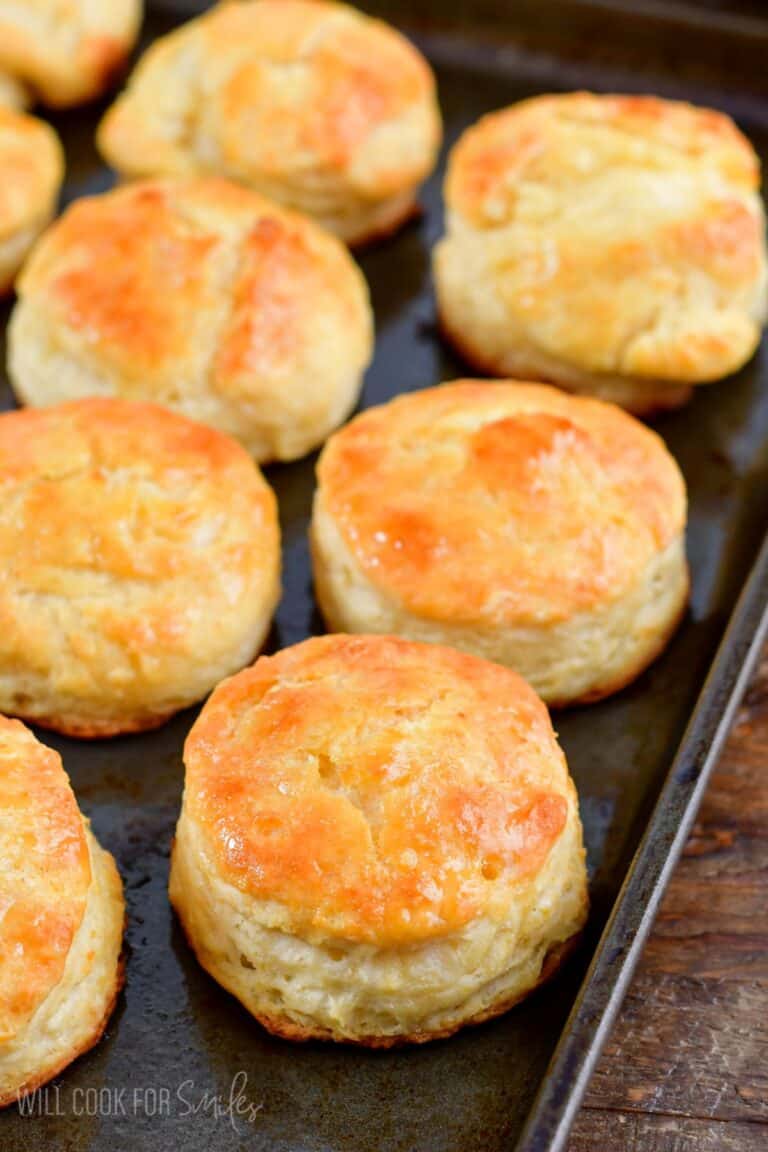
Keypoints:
pixel 686 1069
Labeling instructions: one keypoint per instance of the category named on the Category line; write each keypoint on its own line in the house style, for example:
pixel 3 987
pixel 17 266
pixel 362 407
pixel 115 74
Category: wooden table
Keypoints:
pixel 686 1069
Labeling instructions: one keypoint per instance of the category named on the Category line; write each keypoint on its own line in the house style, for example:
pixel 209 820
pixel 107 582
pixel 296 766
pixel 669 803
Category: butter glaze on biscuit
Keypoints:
pixel 141 561
pixel 62 919
pixel 614 245
pixel 537 529
pixel 379 840
pixel 200 295
pixel 310 103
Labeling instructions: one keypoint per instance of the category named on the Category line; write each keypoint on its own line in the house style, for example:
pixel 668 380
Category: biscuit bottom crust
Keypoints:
pixel 89 729
pixel 352 992
pixel 584 658
pixel 371 222
pixel 641 397
pixel 287 1029
pixel 74 1015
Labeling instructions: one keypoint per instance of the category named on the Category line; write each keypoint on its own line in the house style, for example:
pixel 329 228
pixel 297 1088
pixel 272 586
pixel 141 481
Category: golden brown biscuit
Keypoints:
pixel 61 926
pixel 203 296
pixel 140 564
pixel 66 52
pixel 308 102
pixel 614 245
pixel 379 841
pixel 537 529
pixel 31 172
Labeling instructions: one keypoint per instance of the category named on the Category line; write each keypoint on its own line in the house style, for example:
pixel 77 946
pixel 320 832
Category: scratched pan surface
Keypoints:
pixel 177 1040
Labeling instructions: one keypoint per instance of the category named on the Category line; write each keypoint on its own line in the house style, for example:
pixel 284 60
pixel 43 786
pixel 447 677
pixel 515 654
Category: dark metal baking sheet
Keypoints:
pixel 182 1065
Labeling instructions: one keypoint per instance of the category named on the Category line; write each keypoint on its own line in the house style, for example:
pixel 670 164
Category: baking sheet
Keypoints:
pixel 182 1065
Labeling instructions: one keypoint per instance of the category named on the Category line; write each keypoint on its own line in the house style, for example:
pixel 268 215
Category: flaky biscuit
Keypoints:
pixel 65 52
pixel 379 841
pixel 62 918
pixel 140 564
pixel 31 173
pixel 311 103
pixel 614 245
pixel 540 530
pixel 202 296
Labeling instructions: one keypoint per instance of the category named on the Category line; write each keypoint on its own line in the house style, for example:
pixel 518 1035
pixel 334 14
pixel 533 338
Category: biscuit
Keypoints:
pixel 66 52
pixel 140 564
pixel 31 173
pixel 540 530
pixel 13 94
pixel 310 103
pixel 62 918
pixel 202 296
pixel 379 841
pixel 614 245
